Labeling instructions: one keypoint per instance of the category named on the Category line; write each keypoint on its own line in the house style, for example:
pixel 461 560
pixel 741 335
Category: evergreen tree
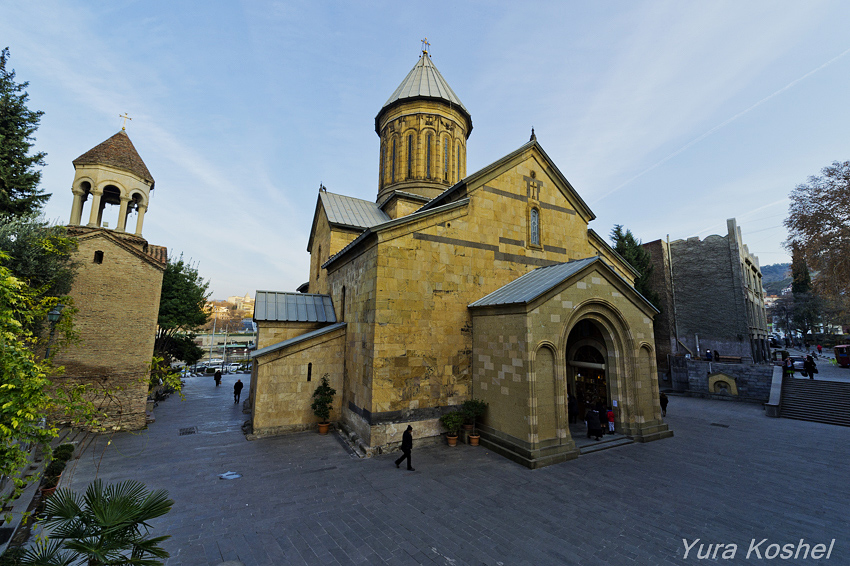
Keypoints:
pixel 633 252
pixel 19 191
pixel 181 310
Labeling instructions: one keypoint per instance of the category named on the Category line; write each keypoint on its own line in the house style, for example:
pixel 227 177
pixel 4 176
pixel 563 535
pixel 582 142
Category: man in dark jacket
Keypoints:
pixel 406 447
pixel 237 390
pixel 594 427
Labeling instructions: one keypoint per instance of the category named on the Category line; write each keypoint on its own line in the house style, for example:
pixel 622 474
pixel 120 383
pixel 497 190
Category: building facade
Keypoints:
pixel 453 286
pixel 712 298
pixel 118 283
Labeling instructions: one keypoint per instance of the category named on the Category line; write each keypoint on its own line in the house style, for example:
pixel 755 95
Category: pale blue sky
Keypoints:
pixel 667 117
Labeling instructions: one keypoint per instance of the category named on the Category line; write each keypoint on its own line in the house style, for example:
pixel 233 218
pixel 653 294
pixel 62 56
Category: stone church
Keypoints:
pixel 118 282
pixel 453 286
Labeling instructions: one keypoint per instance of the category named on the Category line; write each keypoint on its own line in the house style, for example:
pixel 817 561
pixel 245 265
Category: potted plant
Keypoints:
pixel 472 409
pixel 323 397
pixel 52 473
pixel 452 421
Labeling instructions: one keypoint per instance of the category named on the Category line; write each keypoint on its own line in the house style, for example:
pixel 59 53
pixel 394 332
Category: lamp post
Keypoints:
pixel 53 317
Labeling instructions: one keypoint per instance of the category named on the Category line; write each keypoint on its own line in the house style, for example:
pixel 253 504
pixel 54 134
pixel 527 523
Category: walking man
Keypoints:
pixel 406 447
pixel 217 377
pixel 237 390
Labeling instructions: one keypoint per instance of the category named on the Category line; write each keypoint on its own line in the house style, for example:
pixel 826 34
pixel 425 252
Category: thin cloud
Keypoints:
pixel 720 126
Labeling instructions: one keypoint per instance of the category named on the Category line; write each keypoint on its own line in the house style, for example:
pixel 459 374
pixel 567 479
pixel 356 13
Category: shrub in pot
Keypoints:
pixel 323 398
pixel 452 421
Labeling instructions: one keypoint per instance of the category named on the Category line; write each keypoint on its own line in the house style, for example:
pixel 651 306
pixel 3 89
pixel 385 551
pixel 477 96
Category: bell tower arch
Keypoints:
pixel 423 129
pixel 111 174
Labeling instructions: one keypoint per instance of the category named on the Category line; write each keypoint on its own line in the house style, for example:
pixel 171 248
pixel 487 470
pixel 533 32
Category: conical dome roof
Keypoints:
pixel 119 152
pixel 424 81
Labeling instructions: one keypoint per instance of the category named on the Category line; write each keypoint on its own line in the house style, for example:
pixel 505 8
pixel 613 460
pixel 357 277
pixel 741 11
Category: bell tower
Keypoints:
pixel 423 129
pixel 111 173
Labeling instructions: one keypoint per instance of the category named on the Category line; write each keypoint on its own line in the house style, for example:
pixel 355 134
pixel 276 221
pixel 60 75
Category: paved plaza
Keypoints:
pixel 729 475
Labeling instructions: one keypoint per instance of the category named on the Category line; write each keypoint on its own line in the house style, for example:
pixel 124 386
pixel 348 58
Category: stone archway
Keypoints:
pixel 597 326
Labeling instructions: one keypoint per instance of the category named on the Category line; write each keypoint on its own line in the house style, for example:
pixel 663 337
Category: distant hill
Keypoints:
pixel 775 277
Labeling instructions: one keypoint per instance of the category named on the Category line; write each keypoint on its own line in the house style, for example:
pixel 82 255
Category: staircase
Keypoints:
pixel 816 401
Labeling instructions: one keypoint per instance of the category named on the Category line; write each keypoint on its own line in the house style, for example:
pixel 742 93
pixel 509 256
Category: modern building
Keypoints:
pixel 453 286
pixel 712 299
pixel 118 283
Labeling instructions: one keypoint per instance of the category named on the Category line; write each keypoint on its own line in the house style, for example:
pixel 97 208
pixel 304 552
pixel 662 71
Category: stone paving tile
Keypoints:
pixel 303 500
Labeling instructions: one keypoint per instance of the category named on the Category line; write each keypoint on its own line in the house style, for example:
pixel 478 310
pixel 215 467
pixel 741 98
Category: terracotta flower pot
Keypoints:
pixel 452 440
pixel 473 439
pixel 323 428
pixel 467 427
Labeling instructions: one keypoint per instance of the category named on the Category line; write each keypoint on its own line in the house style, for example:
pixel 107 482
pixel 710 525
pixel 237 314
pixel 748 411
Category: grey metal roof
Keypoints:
pixel 293 307
pixel 391 223
pixel 534 283
pixel 297 339
pixel 350 211
pixel 424 80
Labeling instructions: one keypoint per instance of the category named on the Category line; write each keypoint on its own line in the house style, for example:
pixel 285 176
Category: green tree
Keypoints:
pixel 633 252
pixel 181 310
pixel 40 255
pixel 19 176
pixel 108 525
pixel 806 305
pixel 819 230
pixel 27 396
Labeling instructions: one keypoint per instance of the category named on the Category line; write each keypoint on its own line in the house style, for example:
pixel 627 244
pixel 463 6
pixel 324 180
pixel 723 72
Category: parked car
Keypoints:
pixel 234 367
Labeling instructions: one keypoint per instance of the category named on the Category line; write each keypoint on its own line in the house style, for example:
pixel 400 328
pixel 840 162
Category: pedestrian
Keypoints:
pixel 788 365
pixel 664 400
pixel 406 447
pixel 716 355
pixel 820 349
pixel 572 408
pixel 594 428
pixel 217 377
pixel 708 355
pixel 610 421
pixel 809 367
pixel 237 390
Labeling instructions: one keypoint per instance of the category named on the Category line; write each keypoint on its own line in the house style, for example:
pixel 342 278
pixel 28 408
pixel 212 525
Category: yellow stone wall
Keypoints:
pixel 501 365
pixel 271 332
pixel 327 240
pixel 282 395
pixel 520 367
pixel 118 302
pixel 416 283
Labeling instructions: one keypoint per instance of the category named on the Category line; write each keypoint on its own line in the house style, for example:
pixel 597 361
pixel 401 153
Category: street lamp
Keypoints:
pixel 53 317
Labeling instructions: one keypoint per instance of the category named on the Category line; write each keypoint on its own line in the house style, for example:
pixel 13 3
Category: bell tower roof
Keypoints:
pixel 119 152
pixel 424 82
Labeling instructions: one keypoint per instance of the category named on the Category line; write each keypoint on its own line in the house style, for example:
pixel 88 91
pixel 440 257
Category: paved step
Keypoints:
pixel 816 401
pixel 605 445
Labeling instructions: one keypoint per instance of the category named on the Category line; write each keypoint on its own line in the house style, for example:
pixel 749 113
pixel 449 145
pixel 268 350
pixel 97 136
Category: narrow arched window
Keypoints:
pixel 309 371
pixel 428 159
pixel 392 167
pixel 458 176
pixel 410 156
pixel 446 159
pixel 534 227
pixel 98 256
pixel 341 316
pixel 383 171
pixel 318 263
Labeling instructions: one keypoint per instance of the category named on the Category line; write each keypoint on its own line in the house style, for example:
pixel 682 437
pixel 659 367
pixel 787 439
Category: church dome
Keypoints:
pixel 424 82
pixel 423 128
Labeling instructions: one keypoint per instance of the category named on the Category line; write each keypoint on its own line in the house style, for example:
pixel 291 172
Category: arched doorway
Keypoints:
pixel 587 364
